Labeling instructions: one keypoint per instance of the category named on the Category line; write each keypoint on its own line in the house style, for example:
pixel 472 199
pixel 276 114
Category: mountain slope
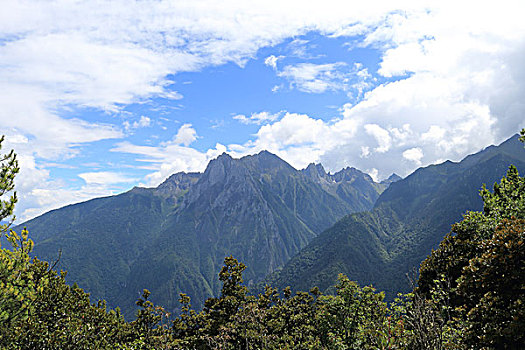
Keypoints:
pixel 173 238
pixel 410 218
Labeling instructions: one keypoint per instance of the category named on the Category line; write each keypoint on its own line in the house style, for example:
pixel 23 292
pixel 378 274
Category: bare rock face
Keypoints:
pixel 177 184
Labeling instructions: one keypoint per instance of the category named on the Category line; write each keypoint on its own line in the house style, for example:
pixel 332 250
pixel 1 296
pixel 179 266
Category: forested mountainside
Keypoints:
pixel 409 219
pixel 173 238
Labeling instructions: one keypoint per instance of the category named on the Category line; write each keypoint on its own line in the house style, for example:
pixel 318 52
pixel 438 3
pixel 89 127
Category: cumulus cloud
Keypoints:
pixel 167 159
pixel 458 86
pixel 413 154
pixel 185 136
pixel 170 157
pixel 381 135
pixel 297 138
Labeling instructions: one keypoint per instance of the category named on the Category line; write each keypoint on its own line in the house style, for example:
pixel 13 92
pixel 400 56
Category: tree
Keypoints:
pixel 38 310
pixel 17 283
pixel 15 297
pixel 356 318
pixel 482 260
pixel 493 284
pixel 8 170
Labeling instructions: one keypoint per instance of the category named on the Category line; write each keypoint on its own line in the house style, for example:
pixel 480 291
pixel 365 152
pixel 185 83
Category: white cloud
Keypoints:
pixel 172 156
pixel 271 61
pixel 172 95
pixel 22 113
pixel 434 134
pixel 299 48
pixel 320 78
pixel 365 151
pixel 455 102
pixel 106 178
pixel 315 78
pixel 185 136
pixel 39 193
pixel 258 118
pixel 413 154
pixel 143 122
pixel 381 135
pixel 373 174
pixel 298 138
pixel 460 88
pixel 169 158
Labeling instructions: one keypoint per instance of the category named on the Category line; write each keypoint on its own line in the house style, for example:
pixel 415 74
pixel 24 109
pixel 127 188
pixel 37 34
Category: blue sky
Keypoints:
pixel 99 97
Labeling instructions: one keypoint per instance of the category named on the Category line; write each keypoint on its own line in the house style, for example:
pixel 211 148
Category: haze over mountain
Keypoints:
pixel 409 219
pixel 173 238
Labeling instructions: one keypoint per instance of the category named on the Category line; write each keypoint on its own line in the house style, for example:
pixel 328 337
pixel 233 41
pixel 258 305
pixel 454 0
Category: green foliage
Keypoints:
pixel 39 310
pixel 150 328
pixel 358 318
pixel 8 170
pixel 492 285
pixel 428 322
pixel 482 260
pixel 508 198
pixel 17 285
pixel 355 318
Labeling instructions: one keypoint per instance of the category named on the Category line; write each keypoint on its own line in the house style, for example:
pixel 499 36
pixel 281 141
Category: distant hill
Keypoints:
pixel 173 238
pixel 409 219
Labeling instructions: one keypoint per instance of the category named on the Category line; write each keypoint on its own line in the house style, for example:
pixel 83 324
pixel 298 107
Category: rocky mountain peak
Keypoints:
pixel 177 184
pixel 392 178
pixel 314 171
pixel 266 162
pixel 349 174
pixel 219 168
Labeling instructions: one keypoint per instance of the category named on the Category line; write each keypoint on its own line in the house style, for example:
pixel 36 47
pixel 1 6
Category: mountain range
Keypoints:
pixel 297 228
pixel 173 238
pixel 409 219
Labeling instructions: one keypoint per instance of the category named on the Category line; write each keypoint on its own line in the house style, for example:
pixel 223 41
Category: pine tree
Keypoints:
pixel 8 170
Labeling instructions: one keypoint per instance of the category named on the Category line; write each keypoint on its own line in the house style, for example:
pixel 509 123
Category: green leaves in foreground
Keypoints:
pixel 483 262
pixel 17 288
